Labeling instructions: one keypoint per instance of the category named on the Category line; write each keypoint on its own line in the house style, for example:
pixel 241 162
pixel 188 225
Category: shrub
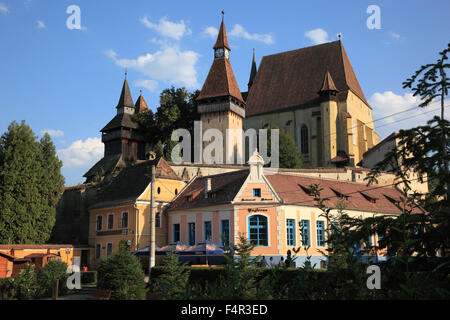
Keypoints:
pixel 22 287
pixel 53 270
pixel 122 274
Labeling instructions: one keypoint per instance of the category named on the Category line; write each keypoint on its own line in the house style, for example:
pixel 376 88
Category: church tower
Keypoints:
pixel 220 103
pixel 329 111
pixel 122 136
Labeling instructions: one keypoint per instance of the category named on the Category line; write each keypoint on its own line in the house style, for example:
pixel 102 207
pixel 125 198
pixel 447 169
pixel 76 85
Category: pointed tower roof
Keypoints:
pixel 141 105
pixel 328 83
pixel 253 71
pixel 220 81
pixel 222 40
pixel 125 99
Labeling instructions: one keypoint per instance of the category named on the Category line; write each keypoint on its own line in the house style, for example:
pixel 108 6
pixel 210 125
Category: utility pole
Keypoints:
pixel 151 261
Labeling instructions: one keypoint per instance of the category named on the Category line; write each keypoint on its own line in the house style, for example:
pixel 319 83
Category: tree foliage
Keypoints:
pixel 30 185
pixel 53 270
pixel 172 283
pixel 177 109
pixel 122 273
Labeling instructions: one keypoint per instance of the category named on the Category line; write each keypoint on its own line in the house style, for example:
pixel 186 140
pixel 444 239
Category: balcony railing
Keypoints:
pixel 112 232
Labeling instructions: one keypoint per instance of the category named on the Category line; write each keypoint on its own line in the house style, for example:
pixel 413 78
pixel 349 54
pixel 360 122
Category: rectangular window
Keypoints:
pixel 99 224
pixel 191 233
pixel 320 234
pixel 176 232
pixel 109 248
pixel 158 220
pixel 225 238
pixel 208 231
pixel 354 130
pixel 290 232
pixel 257 193
pixel 110 221
pixel 305 233
pixel 98 248
pixel 124 219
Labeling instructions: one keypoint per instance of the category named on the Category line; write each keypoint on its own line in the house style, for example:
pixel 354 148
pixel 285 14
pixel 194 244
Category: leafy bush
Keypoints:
pixel 22 287
pixel 53 270
pixel 122 273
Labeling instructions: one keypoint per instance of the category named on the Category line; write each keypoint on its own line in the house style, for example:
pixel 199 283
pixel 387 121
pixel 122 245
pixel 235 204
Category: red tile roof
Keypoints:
pixel 294 78
pixel 328 83
pixel 225 186
pixel 222 39
pixel 220 82
pixel 141 105
pixel 289 188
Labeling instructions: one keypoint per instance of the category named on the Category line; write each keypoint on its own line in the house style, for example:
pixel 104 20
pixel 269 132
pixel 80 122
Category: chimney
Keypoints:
pixel 207 187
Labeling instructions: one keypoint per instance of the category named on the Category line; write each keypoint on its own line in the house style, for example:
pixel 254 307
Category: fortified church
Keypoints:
pixel 311 93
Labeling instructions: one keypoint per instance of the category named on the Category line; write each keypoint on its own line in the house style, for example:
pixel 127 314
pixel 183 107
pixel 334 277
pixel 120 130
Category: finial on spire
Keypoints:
pixel 339 36
pixel 126 72
pixel 223 15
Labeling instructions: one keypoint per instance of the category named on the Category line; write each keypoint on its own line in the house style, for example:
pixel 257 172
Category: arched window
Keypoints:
pixel 258 232
pixel 304 139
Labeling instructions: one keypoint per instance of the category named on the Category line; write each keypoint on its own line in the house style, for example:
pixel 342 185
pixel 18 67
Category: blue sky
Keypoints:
pixel 68 81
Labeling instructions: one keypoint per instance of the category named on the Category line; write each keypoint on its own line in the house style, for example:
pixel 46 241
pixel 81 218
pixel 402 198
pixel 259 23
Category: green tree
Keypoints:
pixel 240 272
pixel 177 109
pixel 434 84
pixel 172 283
pixel 122 274
pixel 289 157
pixel 30 185
pixel 53 270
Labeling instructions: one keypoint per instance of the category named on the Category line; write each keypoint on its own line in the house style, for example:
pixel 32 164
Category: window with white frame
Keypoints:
pixel 124 219
pixel 99 223
pixel 110 221
pixel 98 250
pixel 109 248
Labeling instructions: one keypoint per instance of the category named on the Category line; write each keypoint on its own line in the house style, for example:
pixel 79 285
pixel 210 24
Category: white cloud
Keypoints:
pixel 387 103
pixel 82 153
pixel 41 24
pixel 167 28
pixel 53 133
pixel 317 36
pixel 394 35
pixel 3 8
pixel 211 32
pixel 169 64
pixel 239 32
pixel 149 84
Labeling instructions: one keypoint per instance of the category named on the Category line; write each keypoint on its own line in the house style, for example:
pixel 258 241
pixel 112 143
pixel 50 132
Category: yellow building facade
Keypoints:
pixel 127 217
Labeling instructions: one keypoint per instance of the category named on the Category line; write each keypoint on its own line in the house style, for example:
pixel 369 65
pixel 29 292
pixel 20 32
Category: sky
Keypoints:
pixel 63 75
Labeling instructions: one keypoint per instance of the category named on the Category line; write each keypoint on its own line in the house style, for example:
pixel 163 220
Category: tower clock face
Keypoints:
pixel 219 53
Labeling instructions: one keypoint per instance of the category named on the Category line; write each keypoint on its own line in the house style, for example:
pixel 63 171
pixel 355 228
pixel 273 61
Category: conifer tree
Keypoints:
pixel 30 186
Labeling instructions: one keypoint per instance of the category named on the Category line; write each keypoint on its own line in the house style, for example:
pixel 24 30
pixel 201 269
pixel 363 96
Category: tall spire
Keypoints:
pixel 222 40
pixel 252 72
pixel 125 100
